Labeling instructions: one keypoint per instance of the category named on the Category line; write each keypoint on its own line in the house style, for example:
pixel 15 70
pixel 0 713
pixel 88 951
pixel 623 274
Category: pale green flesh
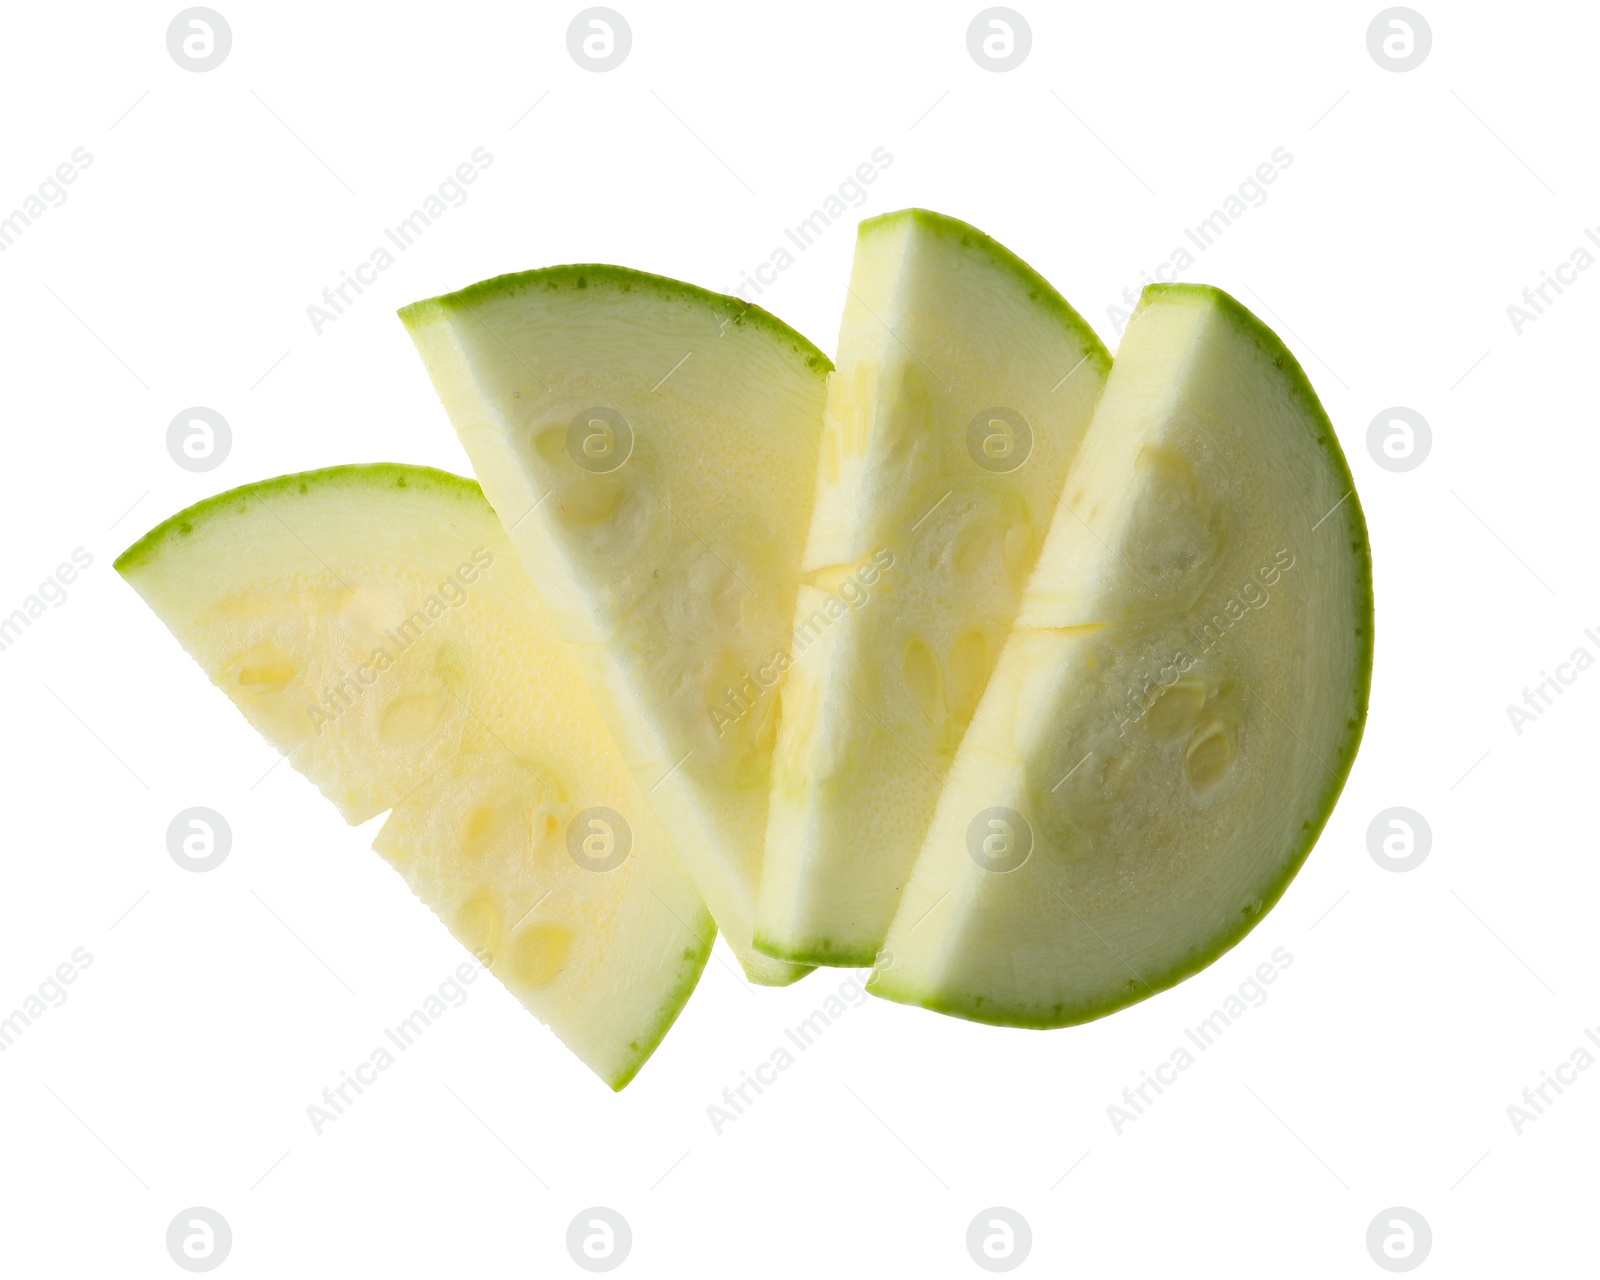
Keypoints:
pixel 1179 704
pixel 675 571
pixel 916 559
pixel 374 624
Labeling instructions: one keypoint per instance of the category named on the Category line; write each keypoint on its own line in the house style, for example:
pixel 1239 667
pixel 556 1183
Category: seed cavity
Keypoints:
pixel 476 923
pixel 969 672
pixel 450 666
pixel 266 668
pixel 485 825
pixel 551 443
pixel 900 424
pixel 410 717
pixel 972 546
pixel 591 499
pixel 1176 709
pixel 538 953
pixel 1018 543
pixel 1181 530
pixel 833 577
pixel 924 678
pixel 367 614
pixel 1210 755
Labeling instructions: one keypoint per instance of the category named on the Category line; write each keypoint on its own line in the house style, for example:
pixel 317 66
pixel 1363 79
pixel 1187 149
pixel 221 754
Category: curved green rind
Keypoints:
pixel 820 951
pixel 623 279
pixel 672 1004
pixel 1339 769
pixel 399 475
pixel 1039 289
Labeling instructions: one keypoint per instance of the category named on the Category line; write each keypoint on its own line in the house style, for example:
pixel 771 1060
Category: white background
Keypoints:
pixel 178 273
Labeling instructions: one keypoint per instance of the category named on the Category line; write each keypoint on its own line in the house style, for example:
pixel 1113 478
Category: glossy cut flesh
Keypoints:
pixel 1179 704
pixel 672 560
pixel 374 625
pixel 964 384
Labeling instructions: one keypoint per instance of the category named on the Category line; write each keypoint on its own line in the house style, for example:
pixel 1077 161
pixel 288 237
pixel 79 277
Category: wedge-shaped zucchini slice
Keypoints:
pixel 652 448
pixel 964 385
pixel 1175 713
pixel 373 623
